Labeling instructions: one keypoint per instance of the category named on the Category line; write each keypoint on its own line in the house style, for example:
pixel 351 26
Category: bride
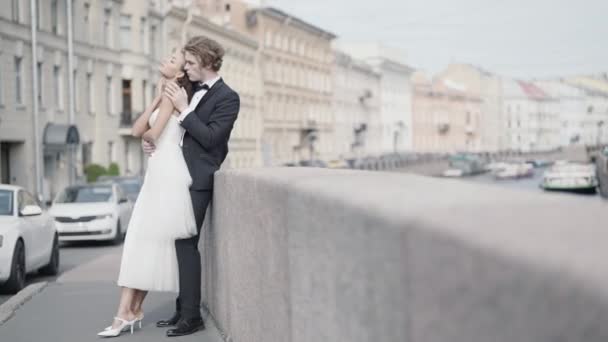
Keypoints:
pixel 149 261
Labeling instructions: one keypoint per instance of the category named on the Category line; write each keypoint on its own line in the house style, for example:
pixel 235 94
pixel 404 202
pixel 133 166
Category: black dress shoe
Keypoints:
pixel 187 327
pixel 169 322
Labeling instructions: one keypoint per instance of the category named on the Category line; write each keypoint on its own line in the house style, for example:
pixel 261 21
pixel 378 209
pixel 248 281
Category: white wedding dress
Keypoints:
pixel 162 213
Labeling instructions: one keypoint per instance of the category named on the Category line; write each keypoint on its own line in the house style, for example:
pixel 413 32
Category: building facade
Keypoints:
pixel 117 47
pixel 487 87
pixel 296 61
pixel 446 118
pixel 532 123
pixel 595 130
pixel 356 105
pixel 391 131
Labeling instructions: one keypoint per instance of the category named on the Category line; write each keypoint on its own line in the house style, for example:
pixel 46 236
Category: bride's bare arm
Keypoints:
pixel 141 124
pixel 164 113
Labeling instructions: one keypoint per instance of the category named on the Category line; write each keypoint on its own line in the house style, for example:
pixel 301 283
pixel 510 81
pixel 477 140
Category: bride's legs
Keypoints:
pixel 124 306
pixel 138 300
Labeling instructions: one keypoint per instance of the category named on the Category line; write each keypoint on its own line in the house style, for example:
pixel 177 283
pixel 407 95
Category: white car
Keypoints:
pixel 570 176
pixel 28 240
pixel 514 171
pixel 92 212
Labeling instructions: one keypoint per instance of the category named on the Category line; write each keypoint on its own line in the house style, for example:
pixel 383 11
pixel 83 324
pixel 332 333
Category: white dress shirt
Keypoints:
pixel 196 99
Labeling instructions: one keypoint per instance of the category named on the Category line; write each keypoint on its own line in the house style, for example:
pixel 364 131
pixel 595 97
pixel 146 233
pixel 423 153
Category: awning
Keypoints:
pixel 60 135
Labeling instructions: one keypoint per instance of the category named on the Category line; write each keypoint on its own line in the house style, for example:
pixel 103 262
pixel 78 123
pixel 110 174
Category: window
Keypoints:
pixel 144 97
pixel 16 11
pixel 111 151
pixel 153 40
pixel 90 93
pixel 142 34
pixel 38 15
pixel 126 97
pixel 58 85
pixel 109 94
pixel 54 16
pixel 1 85
pixel 76 91
pixel 18 81
pixel 86 15
pixel 125 32
pixel 107 18
pixel 40 75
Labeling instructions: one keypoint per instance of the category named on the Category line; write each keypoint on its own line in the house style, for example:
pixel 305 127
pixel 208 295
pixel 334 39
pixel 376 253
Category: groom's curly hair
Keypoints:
pixel 208 52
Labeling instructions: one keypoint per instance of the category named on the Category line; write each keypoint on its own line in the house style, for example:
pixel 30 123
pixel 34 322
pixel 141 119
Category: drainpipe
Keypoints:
pixel 70 37
pixel 35 92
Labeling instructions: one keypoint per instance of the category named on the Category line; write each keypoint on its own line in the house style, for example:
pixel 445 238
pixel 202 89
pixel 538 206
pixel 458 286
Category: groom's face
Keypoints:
pixel 193 67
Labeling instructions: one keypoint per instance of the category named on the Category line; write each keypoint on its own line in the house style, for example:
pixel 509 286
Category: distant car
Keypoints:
pixel 601 166
pixel 514 171
pixel 538 162
pixel 452 173
pixel 469 163
pixel 570 176
pixel 338 164
pixel 131 185
pixel 92 212
pixel 28 239
pixel 312 163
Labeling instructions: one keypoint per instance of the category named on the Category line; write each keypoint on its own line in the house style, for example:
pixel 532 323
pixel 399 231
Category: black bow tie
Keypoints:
pixel 200 86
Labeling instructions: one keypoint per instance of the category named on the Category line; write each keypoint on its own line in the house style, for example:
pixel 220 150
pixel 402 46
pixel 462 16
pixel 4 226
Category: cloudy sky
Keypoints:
pixel 520 38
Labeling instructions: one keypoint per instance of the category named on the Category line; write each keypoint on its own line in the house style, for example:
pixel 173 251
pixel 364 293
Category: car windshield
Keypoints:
pixel 131 187
pixel 6 202
pixel 85 194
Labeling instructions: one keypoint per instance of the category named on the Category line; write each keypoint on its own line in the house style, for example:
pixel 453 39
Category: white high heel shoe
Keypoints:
pixel 124 326
pixel 137 320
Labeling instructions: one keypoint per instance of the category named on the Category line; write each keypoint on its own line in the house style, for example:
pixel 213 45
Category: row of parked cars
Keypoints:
pixel 381 162
pixel 30 234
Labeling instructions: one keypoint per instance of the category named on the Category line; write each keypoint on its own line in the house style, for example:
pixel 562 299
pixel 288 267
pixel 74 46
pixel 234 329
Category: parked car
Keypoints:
pixel 468 163
pixel 28 239
pixel 539 162
pixel 570 176
pixel 514 171
pixel 130 184
pixel 312 163
pixel 92 212
pixel 601 166
pixel 338 164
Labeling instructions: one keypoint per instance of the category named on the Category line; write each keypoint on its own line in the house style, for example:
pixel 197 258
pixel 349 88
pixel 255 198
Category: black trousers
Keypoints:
pixel 188 304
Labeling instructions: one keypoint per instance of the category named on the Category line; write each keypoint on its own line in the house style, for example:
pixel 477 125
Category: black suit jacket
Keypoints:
pixel 208 128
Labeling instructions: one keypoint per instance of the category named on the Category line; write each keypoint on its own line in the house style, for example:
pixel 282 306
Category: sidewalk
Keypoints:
pixel 80 304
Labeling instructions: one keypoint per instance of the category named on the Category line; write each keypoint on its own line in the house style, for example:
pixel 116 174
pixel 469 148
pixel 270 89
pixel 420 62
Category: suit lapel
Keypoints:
pixel 210 92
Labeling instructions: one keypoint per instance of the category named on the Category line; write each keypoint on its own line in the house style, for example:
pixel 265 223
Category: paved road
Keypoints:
pixel 71 255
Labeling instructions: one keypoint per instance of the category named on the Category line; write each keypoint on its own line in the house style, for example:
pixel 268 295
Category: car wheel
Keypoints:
pixel 118 236
pixel 53 266
pixel 16 281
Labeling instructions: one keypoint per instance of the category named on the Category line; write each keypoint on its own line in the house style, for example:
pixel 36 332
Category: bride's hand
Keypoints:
pixel 148 137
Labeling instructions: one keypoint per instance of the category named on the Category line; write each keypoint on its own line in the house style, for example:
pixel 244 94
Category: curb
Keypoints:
pixel 8 308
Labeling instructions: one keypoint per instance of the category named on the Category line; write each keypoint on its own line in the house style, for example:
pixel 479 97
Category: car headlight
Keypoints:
pixel 103 217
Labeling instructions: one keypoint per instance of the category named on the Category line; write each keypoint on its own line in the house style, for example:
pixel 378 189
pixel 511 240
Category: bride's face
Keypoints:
pixel 173 66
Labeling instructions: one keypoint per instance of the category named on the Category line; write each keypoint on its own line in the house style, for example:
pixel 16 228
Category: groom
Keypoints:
pixel 208 120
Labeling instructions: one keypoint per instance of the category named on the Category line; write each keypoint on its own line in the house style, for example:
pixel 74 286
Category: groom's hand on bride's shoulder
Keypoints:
pixel 147 146
pixel 177 95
